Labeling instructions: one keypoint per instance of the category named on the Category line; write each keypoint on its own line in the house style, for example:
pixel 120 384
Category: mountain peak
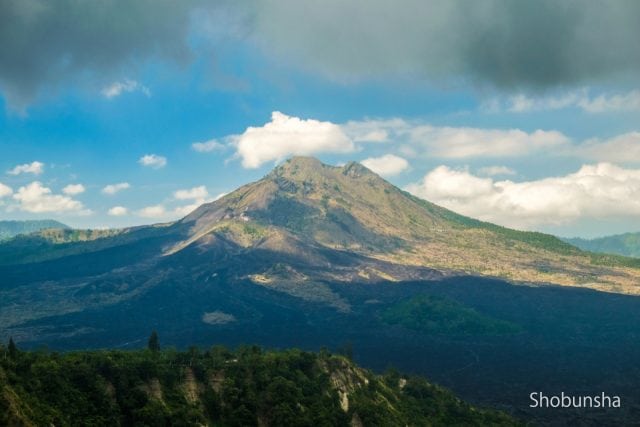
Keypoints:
pixel 301 169
pixel 304 161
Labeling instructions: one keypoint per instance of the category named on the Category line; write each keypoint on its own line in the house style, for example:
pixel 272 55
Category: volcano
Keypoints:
pixel 316 256
pixel 304 226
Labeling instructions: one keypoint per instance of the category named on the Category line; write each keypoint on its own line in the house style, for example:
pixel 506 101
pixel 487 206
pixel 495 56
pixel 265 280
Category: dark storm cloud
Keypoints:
pixel 45 42
pixel 506 43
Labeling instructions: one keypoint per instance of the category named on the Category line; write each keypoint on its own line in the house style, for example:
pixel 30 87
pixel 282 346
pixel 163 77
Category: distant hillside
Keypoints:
pixel 9 229
pixel 218 387
pixel 627 244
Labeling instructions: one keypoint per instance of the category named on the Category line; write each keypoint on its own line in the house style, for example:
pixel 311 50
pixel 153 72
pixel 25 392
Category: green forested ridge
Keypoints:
pixel 627 244
pixel 9 229
pixel 246 387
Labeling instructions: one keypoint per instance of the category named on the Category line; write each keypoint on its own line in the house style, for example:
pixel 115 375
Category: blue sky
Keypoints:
pixel 99 116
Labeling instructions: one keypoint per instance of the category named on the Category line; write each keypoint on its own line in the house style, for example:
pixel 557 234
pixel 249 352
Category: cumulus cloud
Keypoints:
pixel 196 196
pixel 581 99
pixel 192 193
pixel 73 189
pixel 601 190
pixel 155 211
pixel 496 170
pixel 5 190
pixel 623 148
pixel 162 212
pixel 116 89
pixel 153 161
pixel 207 146
pixel 35 168
pixel 387 165
pixel 373 130
pixel 118 211
pixel 181 211
pixel 36 198
pixel 463 142
pixel 284 136
pixel 417 138
pixel 115 188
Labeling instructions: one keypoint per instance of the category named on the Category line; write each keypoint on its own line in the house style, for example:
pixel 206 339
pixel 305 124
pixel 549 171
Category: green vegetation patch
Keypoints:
pixel 9 229
pixel 438 315
pixel 246 387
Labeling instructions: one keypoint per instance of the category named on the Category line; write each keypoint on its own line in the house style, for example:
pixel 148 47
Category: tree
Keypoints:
pixel 154 342
pixel 347 350
pixel 13 349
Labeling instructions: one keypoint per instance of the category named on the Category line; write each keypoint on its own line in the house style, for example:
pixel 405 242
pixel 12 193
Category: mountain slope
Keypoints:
pixel 304 205
pixel 9 229
pixel 302 226
pixel 627 244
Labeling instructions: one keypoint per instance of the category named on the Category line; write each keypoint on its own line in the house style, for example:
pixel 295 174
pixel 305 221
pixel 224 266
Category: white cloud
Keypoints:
pixel 373 130
pixel 192 193
pixel 155 211
pixel 197 195
pixel 118 211
pixel 416 138
pixel 5 190
pixel 115 188
pixel 464 142
pixel 285 136
pixel 73 189
pixel 612 103
pixel 622 148
pixel 387 165
pixel 580 99
pixel 153 161
pixel 116 89
pixel 35 168
pixel 162 212
pixel 602 190
pixel 207 146
pixel 523 104
pixel 37 198
pixel 185 210
pixel 496 170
